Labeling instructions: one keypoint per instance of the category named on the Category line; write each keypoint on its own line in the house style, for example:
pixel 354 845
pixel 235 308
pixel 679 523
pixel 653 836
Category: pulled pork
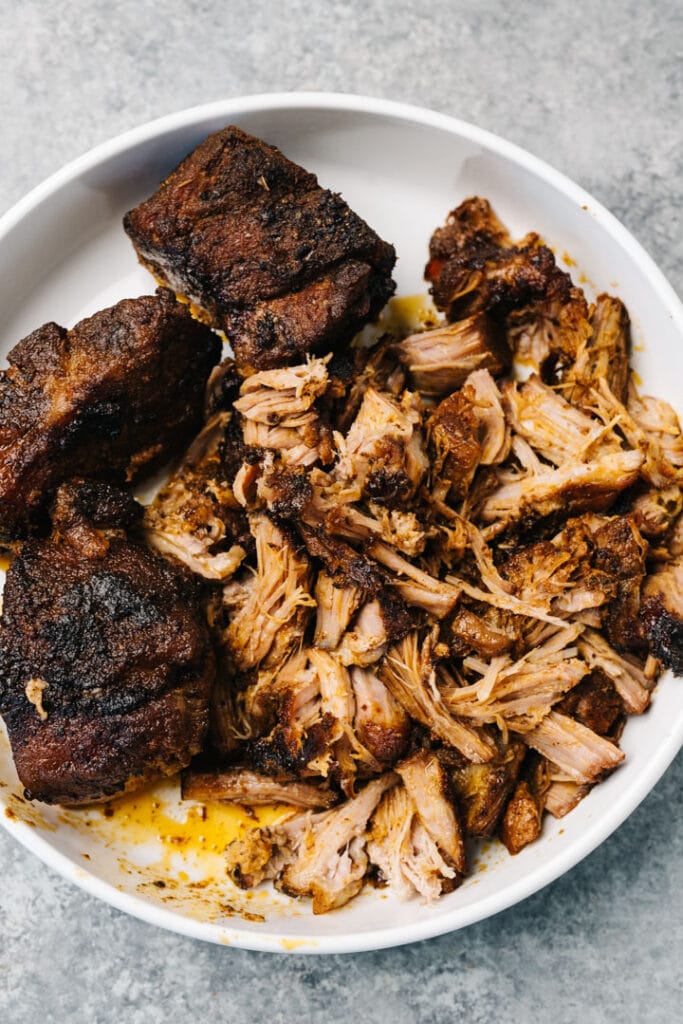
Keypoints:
pixel 441 589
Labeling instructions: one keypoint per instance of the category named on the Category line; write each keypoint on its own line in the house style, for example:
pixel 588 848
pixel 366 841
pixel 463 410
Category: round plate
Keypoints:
pixel 63 255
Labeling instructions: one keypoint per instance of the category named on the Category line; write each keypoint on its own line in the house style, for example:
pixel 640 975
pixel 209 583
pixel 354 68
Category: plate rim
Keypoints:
pixel 670 744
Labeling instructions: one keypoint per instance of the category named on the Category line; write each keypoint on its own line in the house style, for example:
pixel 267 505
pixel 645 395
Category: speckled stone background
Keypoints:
pixel 597 90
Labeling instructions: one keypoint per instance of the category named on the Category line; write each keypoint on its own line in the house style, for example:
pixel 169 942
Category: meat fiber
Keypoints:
pixel 273 616
pixel 242 786
pixel 439 360
pixel 322 855
pixel 415 840
pixel 195 517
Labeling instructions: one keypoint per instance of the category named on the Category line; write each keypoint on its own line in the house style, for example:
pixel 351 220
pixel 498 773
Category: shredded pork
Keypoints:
pixel 441 584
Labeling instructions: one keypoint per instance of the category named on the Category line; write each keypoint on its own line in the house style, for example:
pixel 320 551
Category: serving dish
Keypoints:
pixel 63 255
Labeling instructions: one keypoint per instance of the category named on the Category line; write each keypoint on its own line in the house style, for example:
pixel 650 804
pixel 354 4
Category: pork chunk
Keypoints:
pixel 113 398
pixel 105 658
pixel 280 264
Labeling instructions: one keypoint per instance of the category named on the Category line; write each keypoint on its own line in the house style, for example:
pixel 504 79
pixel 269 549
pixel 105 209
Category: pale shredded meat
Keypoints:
pixel 415 839
pixel 442 580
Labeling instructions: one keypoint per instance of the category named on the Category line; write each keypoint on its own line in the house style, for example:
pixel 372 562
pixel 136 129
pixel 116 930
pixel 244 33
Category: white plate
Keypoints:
pixel 63 254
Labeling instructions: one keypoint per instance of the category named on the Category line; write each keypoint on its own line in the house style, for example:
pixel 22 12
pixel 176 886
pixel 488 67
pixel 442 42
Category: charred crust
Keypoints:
pixel 96 502
pixel 291 489
pixel 594 702
pixel 280 264
pixel 346 565
pixel 664 630
pixel 129 385
pixel 286 752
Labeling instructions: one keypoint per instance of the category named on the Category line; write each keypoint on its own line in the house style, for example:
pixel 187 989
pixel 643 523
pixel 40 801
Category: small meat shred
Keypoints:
pixel 335 606
pixel 278 408
pixel 195 518
pixel 381 723
pixel 603 353
pixel 322 855
pixel 410 676
pixel 574 487
pixel 439 360
pixel 415 840
pixel 383 451
pixel 274 615
pixel 242 786
pixel 576 750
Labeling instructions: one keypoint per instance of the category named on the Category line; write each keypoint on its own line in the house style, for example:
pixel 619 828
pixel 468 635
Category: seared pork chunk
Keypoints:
pixel 656 510
pixel 281 265
pixel 331 507
pixel 620 553
pixel 344 564
pixel 475 269
pixel 483 789
pixel 473 225
pixel 105 659
pixel 114 398
pixel 466 430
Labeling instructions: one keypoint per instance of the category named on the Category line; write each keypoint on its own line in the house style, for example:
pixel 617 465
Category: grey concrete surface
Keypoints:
pixel 596 89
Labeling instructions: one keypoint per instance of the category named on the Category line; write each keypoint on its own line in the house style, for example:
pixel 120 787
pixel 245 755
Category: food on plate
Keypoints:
pixel 106 664
pixel 525 531
pixel 409 582
pixel 281 265
pixel 195 517
pixel 113 397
